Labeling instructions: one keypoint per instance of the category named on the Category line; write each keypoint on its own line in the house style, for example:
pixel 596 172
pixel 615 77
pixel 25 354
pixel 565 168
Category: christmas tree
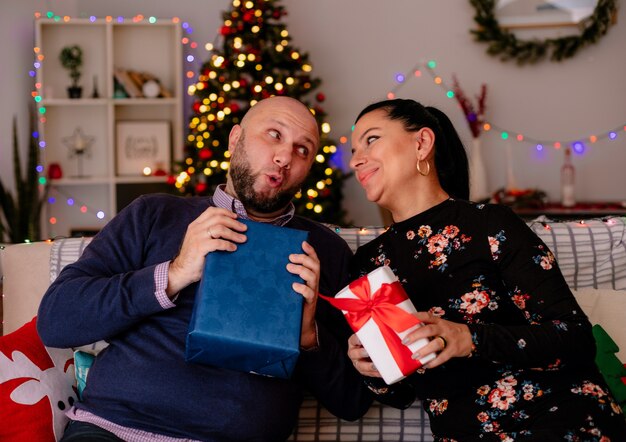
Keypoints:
pixel 256 61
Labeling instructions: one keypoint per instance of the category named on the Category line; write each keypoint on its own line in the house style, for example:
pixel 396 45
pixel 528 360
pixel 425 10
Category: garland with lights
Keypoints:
pixel 69 200
pixel 578 145
pixel 256 61
pixel 506 45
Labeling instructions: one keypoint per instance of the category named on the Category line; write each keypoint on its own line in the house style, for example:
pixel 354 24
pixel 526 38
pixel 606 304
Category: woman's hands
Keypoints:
pixel 456 342
pixel 447 340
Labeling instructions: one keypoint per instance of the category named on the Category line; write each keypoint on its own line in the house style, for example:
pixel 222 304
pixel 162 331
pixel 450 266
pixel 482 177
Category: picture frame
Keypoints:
pixel 528 14
pixel 141 145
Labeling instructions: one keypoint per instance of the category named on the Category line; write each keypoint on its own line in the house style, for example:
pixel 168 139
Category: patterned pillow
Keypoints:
pixel 65 251
pixel 83 362
pixel 590 253
pixel 37 385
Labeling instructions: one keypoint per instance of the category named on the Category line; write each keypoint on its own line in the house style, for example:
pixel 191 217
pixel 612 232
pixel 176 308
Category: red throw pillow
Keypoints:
pixel 37 387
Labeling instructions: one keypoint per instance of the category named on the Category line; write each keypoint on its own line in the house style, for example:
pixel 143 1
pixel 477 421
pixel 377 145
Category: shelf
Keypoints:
pixel 153 49
pixel 105 101
pixel 580 210
pixel 75 102
pixel 140 179
pixel 83 181
pixel 144 101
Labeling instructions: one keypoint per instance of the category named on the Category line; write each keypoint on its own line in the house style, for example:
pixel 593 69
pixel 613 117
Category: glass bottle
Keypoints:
pixel 567 180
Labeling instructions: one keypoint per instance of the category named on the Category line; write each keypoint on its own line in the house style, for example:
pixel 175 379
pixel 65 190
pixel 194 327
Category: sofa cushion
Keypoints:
pixel 380 423
pixel 25 279
pixel 83 362
pixel 36 387
pixel 606 307
pixel 590 253
pixel 65 252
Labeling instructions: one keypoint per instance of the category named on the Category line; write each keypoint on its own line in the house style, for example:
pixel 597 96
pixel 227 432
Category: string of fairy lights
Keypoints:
pixel 578 145
pixel 418 71
pixel 56 194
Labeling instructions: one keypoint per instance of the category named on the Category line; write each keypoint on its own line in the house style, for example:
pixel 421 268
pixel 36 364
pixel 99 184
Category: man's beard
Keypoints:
pixel 243 182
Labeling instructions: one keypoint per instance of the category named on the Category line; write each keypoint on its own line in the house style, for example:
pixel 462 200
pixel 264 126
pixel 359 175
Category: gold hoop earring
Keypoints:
pixel 419 169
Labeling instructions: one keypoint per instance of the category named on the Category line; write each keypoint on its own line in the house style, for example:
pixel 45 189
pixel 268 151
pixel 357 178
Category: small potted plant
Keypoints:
pixel 72 59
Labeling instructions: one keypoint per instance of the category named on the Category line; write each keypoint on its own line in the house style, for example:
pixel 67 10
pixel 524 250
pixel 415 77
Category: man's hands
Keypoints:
pixel 218 229
pixel 215 229
pixel 307 266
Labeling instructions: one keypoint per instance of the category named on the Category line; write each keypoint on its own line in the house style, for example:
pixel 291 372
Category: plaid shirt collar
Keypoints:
pixel 225 201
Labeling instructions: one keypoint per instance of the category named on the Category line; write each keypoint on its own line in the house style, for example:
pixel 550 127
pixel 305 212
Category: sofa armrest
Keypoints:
pixel 26 277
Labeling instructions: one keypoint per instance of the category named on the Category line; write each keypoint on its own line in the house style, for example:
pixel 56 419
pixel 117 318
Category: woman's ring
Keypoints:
pixel 444 343
pixel 210 234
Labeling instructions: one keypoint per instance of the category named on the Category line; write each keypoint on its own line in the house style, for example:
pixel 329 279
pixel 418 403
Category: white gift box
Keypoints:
pixel 371 336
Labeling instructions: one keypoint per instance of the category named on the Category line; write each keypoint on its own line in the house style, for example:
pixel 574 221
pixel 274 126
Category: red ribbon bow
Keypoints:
pixel 381 307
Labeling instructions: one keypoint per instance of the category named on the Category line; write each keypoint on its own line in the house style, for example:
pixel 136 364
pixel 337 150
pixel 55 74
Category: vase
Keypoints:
pixel 478 173
pixel 74 91
pixel 511 182
pixel 54 171
pixel 95 93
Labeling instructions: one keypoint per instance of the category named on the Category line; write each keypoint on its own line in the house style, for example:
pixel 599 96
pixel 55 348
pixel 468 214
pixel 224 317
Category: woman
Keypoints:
pixel 514 351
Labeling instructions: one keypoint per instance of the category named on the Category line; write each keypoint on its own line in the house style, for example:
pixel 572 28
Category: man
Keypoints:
pixel 135 284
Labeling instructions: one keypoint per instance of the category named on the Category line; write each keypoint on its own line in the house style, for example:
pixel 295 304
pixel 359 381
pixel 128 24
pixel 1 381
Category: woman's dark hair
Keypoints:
pixel 450 155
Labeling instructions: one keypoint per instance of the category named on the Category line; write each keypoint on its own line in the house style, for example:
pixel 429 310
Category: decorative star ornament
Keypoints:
pixel 78 142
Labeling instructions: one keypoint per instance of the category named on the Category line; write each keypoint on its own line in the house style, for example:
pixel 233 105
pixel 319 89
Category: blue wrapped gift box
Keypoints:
pixel 246 316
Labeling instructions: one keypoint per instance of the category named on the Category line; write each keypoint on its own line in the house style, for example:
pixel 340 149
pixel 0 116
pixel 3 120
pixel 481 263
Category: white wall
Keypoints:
pixel 357 46
pixel 16 51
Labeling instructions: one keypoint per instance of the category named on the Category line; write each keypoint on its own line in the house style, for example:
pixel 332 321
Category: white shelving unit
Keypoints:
pixel 94 185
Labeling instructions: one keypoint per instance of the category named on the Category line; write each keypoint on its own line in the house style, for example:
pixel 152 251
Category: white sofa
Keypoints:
pixel 592 256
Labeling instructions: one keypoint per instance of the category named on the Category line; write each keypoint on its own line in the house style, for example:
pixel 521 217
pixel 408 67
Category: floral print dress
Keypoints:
pixel 532 375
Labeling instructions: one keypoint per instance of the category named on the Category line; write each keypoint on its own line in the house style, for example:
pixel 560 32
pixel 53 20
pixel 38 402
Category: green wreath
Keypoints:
pixel 504 43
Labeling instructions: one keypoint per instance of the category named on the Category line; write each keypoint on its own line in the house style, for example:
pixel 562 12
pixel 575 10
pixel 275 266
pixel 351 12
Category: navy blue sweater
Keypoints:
pixel 142 379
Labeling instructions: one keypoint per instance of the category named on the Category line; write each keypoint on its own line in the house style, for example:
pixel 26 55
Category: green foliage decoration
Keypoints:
pixel 71 58
pixel 611 368
pixel 20 215
pixel 503 43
